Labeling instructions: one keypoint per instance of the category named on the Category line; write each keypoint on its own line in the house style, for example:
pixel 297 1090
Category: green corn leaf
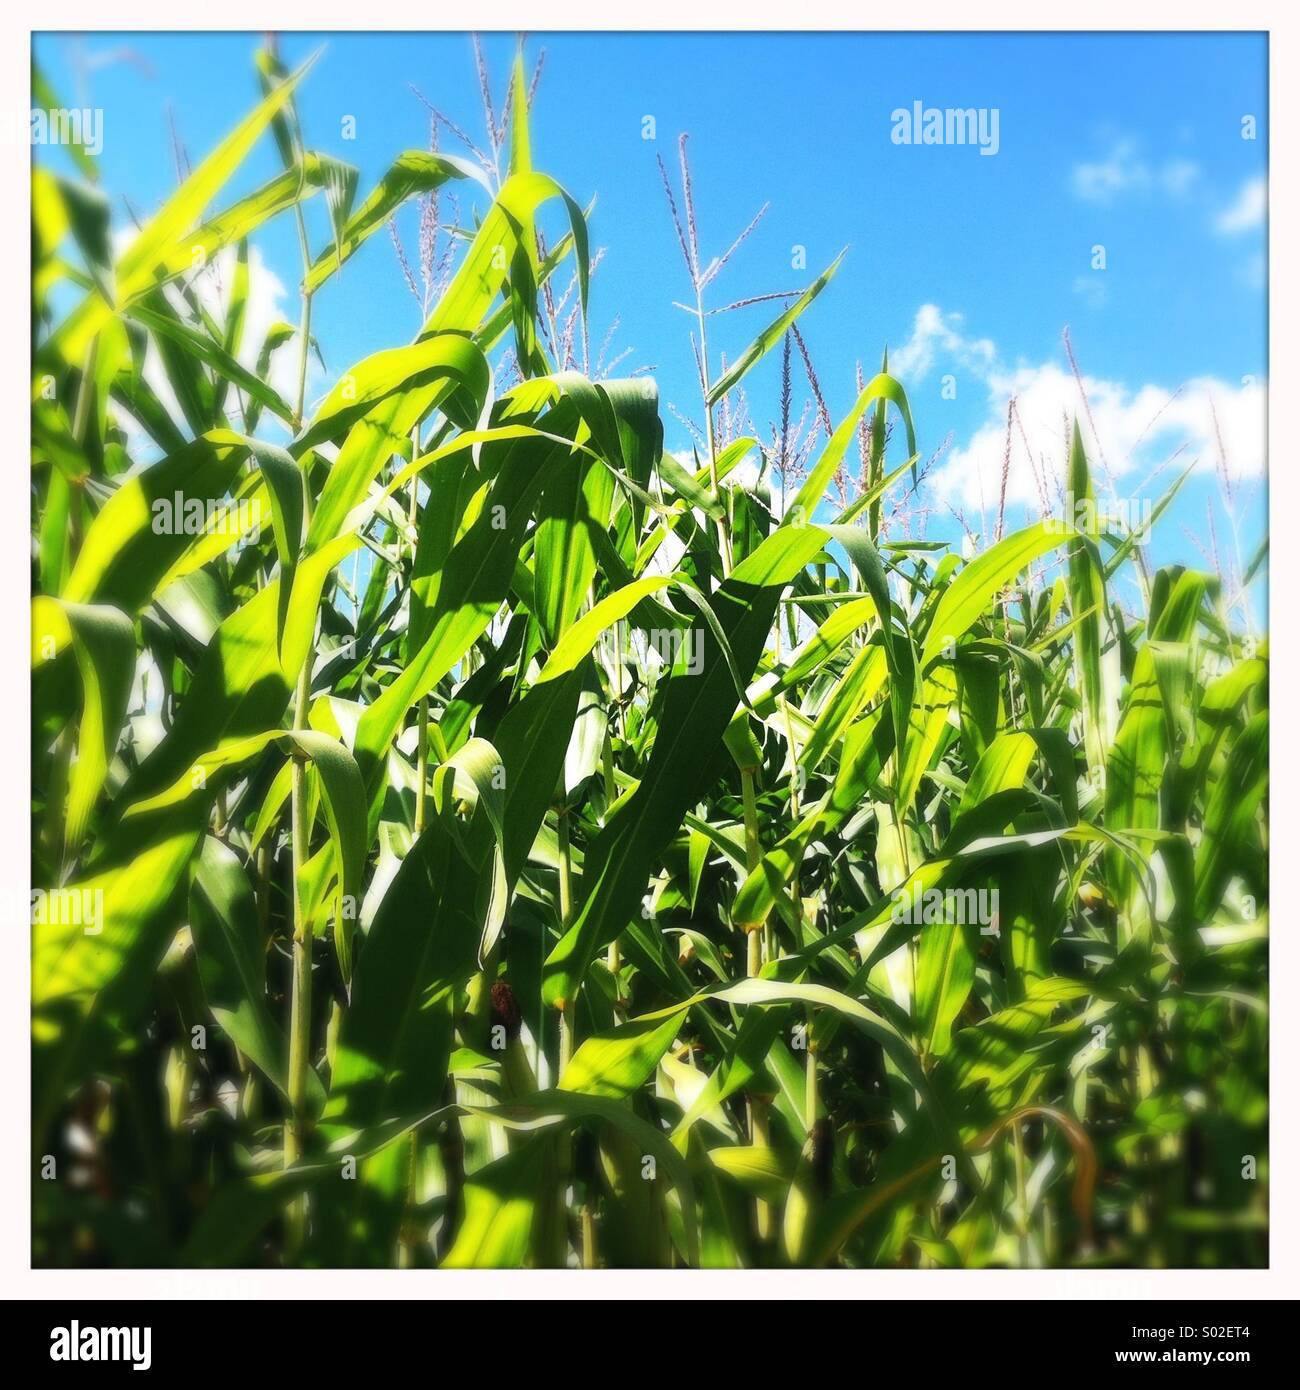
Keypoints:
pixel 698 708
pixel 102 640
pixel 231 958
pixel 617 1063
pixel 771 335
pixel 150 520
pixel 162 246
pixel 414 171
pixel 968 596
pixel 880 388
pixel 1088 602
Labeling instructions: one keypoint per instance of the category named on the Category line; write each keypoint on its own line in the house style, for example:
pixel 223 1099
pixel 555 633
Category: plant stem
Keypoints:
pixel 588 1237
pixel 796 892
pixel 421 765
pixel 753 857
pixel 300 1002
pixel 724 532
pixel 1022 1195
pixel 295 1131
pixel 567 1015
pixel 810 1076
pixel 758 1127
pixel 566 916
pixel 406 1238
pixel 613 957
pixel 422 722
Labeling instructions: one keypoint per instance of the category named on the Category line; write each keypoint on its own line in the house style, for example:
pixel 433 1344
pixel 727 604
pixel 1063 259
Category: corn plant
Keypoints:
pixel 466 833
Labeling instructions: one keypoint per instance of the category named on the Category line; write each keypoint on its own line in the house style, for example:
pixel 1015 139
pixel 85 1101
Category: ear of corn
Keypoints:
pixel 443 877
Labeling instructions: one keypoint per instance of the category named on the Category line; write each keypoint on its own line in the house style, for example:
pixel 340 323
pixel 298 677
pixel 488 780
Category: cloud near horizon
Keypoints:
pixel 1147 433
pixel 1247 210
pixel 1124 170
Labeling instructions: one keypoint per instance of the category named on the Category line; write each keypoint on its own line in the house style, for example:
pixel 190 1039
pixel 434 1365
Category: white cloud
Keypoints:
pixel 1247 210
pixel 1139 427
pixel 1124 171
pixel 1091 288
pixel 267 303
pixel 1178 175
pixel 935 333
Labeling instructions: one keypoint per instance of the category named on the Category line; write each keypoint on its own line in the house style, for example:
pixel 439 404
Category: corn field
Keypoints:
pixel 466 833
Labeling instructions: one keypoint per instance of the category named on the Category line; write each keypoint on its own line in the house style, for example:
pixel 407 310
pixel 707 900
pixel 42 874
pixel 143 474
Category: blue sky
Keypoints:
pixel 967 266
